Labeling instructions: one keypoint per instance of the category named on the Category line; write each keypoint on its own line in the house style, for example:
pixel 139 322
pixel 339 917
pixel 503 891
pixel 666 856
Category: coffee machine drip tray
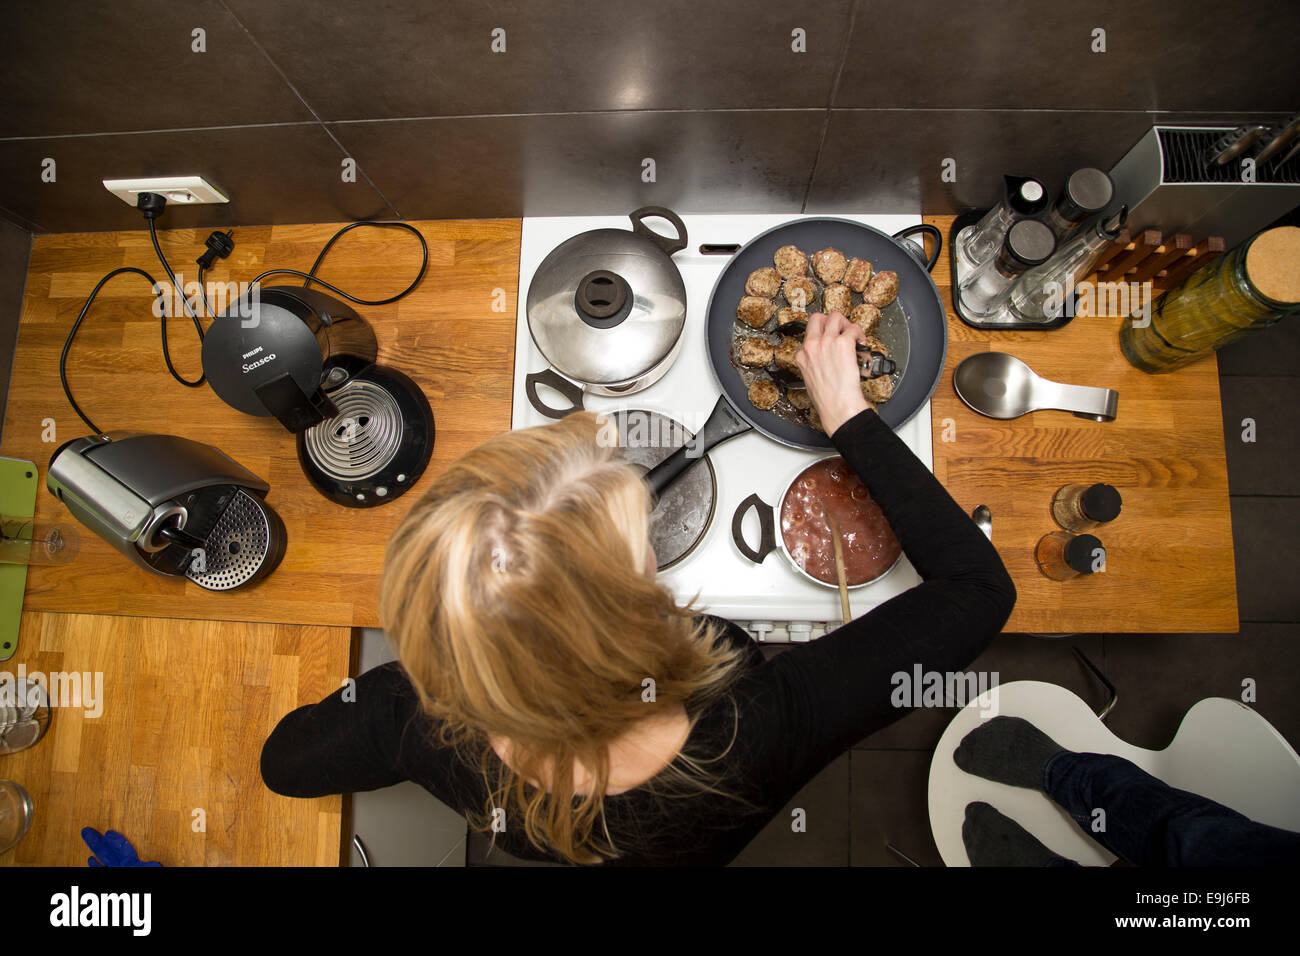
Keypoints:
pixel 378 445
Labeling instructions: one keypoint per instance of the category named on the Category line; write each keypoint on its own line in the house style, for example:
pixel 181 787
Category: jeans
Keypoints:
pixel 1149 823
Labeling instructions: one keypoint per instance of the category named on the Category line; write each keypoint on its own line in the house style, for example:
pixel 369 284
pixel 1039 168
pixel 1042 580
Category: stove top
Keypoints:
pixel 771 599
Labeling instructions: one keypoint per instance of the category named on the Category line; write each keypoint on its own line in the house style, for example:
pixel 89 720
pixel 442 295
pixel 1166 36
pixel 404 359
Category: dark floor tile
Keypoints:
pixel 1264 535
pixel 589 163
pixel 272 174
pixel 404 58
pixel 891 806
pixel 1270 463
pixel 1270 351
pixel 480 852
pixel 73 67
pixel 1011 657
pixel 1159 677
pixel 824 842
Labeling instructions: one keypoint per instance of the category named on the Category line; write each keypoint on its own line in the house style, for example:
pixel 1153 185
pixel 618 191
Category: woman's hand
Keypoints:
pixel 829 363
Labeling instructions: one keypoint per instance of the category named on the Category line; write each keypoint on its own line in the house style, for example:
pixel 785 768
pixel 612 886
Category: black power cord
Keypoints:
pixel 151 205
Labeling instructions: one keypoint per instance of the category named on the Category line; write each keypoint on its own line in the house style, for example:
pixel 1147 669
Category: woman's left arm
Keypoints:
pixel 348 742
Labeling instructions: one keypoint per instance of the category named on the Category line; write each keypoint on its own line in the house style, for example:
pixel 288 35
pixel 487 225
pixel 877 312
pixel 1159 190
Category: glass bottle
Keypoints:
pixel 1035 296
pixel 1023 196
pixel 15 813
pixel 1087 191
pixel 1061 555
pixel 985 288
pixel 1253 285
pixel 1080 507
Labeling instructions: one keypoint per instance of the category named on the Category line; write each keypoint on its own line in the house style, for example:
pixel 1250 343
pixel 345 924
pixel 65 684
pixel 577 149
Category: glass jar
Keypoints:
pixel 1036 294
pixel 978 244
pixel 1080 507
pixel 985 289
pixel 1061 555
pixel 1087 192
pixel 1252 286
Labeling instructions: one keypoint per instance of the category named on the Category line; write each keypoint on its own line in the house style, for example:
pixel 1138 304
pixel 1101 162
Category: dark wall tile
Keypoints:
pixel 410 58
pixel 589 163
pixel 273 174
pixel 1026 54
pixel 74 67
pixel 1160 677
pixel 1269 465
pixel 893 160
pixel 824 801
pixel 15 251
pixel 1264 535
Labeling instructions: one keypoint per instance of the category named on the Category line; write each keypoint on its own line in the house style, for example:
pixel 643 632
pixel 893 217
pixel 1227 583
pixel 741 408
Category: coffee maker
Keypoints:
pixel 175 507
pixel 364 430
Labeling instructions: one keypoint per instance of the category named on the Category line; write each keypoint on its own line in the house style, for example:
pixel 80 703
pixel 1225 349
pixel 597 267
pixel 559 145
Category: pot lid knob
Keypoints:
pixel 603 299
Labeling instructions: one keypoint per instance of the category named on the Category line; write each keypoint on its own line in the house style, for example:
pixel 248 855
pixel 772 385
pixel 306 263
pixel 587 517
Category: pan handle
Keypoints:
pixel 663 242
pixel 766 524
pixel 926 259
pixel 724 422
pixel 553 379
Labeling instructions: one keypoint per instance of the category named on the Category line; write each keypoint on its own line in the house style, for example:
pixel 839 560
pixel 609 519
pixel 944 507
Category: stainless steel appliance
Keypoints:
pixel 175 507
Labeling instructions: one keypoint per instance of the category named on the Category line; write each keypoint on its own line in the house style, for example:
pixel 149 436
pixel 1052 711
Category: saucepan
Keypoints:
pixel 828 485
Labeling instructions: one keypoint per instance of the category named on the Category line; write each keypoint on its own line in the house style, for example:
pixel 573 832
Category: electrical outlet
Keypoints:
pixel 181 190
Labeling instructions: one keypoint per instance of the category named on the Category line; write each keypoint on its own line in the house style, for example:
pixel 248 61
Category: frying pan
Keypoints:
pixel 916 321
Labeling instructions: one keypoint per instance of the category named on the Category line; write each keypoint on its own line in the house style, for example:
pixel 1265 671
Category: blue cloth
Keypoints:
pixel 111 849
pixel 1149 823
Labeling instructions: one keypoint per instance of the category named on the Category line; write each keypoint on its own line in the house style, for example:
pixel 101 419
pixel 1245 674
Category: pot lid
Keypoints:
pixel 608 306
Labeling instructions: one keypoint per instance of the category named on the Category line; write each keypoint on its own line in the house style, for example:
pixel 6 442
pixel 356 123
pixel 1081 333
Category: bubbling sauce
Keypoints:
pixel 830 486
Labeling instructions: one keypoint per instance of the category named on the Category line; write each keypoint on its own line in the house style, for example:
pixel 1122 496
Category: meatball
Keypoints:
pixel 829 264
pixel 764 282
pixel 876 345
pixel 791 262
pixel 876 390
pixel 783 355
pixel 754 311
pixel 799 398
pixel 857 274
pixel 866 317
pixel 756 353
pixel 883 289
pixel 764 394
pixel 786 316
pixel 799 292
pixel 816 419
pixel 837 298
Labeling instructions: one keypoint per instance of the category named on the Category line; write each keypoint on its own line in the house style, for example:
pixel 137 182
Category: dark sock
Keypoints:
pixel 993 839
pixel 1007 750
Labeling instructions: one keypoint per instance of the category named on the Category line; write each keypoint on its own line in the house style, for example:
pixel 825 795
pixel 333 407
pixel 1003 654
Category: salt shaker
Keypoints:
pixel 1080 507
pixel 1061 555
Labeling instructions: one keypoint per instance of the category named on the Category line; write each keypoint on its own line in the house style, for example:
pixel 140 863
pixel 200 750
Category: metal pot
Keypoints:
pixel 769 519
pixel 606 309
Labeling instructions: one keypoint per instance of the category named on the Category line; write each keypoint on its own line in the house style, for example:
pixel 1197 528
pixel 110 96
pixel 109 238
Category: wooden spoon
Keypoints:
pixel 839 567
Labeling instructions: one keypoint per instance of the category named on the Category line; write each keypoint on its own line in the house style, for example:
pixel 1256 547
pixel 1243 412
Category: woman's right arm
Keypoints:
pixel 841 688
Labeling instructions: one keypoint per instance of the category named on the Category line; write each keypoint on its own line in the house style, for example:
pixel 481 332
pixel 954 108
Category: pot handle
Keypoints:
pixel 926 259
pixel 553 379
pixel 767 539
pixel 663 242
pixel 724 422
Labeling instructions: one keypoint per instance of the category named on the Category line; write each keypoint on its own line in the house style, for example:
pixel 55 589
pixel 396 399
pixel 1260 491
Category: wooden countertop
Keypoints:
pixel 1169 558
pixel 454 336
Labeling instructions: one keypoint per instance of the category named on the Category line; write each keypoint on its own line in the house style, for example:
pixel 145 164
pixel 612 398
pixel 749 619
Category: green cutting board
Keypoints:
pixel 17 498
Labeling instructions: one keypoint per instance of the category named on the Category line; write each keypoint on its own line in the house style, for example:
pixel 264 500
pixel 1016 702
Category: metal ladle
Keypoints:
pixel 1001 386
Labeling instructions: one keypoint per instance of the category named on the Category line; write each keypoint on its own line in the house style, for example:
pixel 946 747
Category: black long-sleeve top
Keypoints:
pixel 781 722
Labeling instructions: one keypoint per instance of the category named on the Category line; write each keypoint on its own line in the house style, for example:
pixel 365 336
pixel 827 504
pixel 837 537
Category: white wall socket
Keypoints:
pixel 182 190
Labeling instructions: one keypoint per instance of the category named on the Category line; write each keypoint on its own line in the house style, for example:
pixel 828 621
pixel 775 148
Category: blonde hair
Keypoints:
pixel 517 594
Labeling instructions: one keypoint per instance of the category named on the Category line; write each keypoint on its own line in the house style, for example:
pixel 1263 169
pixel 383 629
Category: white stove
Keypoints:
pixel 773 601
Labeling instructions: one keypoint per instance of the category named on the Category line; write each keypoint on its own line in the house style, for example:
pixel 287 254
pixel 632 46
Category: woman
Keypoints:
pixel 554 693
